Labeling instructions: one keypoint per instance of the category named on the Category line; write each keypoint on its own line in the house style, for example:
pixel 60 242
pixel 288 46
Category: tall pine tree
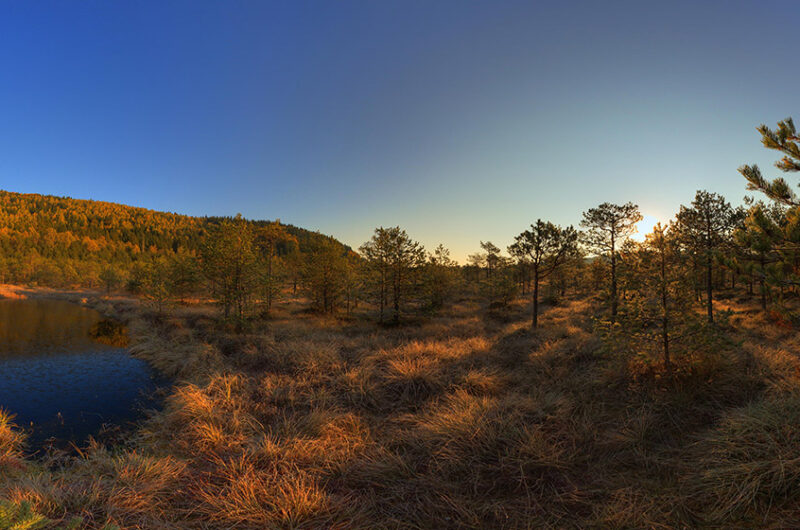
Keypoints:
pixel 607 227
pixel 546 247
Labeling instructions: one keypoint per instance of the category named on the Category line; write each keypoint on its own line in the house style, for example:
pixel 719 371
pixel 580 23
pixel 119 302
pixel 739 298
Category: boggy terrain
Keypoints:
pixel 464 419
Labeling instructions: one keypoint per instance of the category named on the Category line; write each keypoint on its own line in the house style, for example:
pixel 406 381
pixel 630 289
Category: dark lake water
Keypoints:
pixel 61 383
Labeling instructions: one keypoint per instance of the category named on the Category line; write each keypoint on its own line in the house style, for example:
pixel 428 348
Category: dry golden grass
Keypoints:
pixel 11 443
pixel 102 488
pixel 11 292
pixel 467 419
pixel 751 462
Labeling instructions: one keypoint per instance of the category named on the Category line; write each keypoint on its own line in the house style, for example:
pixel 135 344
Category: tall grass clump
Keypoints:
pixel 750 468
pixel 12 441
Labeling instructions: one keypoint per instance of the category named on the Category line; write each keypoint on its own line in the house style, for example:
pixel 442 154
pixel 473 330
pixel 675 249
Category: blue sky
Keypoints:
pixel 460 121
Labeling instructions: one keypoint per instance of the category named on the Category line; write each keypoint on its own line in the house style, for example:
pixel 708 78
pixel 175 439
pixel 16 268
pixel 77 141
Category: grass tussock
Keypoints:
pixel 101 489
pixel 751 464
pixel 243 491
pixel 12 441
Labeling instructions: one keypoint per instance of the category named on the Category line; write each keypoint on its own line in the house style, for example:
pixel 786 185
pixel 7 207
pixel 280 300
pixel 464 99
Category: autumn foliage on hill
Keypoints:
pixel 64 242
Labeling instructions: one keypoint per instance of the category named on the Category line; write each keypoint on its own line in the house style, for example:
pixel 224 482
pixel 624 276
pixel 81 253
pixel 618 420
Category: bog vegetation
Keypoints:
pixel 580 378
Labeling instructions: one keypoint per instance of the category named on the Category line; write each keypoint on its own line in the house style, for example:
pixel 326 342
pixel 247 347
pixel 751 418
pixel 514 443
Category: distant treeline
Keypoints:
pixel 659 291
pixel 64 242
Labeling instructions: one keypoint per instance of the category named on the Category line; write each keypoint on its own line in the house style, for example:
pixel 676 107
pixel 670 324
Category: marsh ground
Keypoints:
pixel 462 419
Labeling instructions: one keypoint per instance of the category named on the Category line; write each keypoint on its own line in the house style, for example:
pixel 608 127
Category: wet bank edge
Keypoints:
pixel 108 307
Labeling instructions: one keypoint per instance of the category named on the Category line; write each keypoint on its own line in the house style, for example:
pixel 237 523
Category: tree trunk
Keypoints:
pixel 535 322
pixel 396 297
pixel 762 286
pixel 383 290
pixel 396 316
pixel 665 320
pixel 269 281
pixel 709 288
pixel 613 280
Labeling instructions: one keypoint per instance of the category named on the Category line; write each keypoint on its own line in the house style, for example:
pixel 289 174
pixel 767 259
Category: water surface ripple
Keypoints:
pixel 61 383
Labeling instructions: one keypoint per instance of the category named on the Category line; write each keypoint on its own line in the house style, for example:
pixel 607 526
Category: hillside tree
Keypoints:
pixel 268 239
pixel 229 262
pixel 110 277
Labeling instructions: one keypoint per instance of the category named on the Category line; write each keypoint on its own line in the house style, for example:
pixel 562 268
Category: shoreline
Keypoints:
pixel 124 309
pixel 9 291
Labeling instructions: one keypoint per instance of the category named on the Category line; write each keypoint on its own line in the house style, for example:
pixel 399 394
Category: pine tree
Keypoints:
pixel 268 238
pixel 492 257
pixel 294 261
pixel 377 251
pixel 755 254
pixel 394 259
pixel 440 277
pixel 352 280
pixel 229 263
pixel 660 308
pixel 475 263
pixel 546 247
pixel 324 275
pixel 704 228
pixel 607 227
pixel 785 140
pixel 184 275
pixel 781 234
pixel 157 287
pixel 110 277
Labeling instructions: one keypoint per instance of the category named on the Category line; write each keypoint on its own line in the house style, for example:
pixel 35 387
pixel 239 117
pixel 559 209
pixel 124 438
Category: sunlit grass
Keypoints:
pixel 12 440
pixel 464 420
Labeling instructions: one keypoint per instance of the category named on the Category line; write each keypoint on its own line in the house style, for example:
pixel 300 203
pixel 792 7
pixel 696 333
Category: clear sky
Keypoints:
pixel 460 121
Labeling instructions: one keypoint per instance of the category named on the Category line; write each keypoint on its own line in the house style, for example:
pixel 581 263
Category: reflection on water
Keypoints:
pixel 35 327
pixel 59 381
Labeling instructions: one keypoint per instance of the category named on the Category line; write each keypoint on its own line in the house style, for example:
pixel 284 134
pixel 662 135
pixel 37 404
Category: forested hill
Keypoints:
pixel 60 241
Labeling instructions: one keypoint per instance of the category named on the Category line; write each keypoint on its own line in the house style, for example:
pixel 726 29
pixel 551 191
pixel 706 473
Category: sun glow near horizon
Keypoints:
pixel 645 226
